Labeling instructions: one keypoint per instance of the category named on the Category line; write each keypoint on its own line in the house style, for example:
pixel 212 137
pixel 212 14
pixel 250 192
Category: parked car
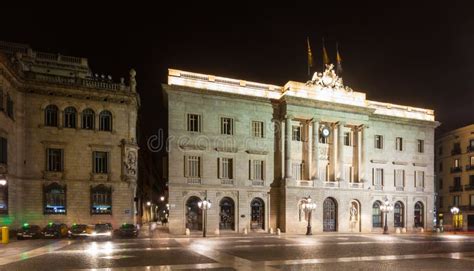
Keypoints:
pixel 126 230
pixel 80 230
pixel 29 231
pixel 55 230
pixel 102 230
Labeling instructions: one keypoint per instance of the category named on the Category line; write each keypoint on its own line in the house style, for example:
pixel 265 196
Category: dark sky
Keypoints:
pixel 420 55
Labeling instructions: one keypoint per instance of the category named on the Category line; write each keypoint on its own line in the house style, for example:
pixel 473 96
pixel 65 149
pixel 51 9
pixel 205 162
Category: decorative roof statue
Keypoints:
pixel 328 79
pixel 133 82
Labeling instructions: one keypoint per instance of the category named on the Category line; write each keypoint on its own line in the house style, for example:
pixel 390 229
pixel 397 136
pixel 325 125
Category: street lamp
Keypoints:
pixel 204 205
pixel 454 212
pixel 162 198
pixel 3 181
pixel 307 206
pixel 386 207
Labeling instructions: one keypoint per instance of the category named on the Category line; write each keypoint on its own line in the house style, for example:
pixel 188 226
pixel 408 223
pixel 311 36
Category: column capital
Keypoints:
pixel 315 119
pixel 341 123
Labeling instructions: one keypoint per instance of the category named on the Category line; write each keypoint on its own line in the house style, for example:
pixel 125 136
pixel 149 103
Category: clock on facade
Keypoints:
pixel 325 131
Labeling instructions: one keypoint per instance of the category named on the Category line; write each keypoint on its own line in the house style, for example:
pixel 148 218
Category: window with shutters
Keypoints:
pixel 225 168
pixel 421 146
pixel 256 170
pixel 378 177
pixel 298 169
pixel 193 169
pixel 194 123
pixel 70 117
pixel 399 178
pixel 347 139
pixel 51 115
pixel 378 142
pixel 227 126
pixel 257 129
pixel 54 160
pixel 399 144
pixel 105 121
pixel 88 119
pixel 419 178
pixel 100 162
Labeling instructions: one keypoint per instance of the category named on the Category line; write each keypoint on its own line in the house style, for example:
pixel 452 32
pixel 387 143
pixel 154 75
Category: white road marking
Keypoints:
pixel 35 252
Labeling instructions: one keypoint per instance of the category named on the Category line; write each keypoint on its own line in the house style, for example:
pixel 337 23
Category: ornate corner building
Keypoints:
pixel 68 149
pixel 455 178
pixel 256 150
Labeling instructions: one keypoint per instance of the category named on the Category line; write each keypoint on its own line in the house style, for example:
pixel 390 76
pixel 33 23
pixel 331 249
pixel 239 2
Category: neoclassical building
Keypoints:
pixel 68 144
pixel 256 150
pixel 455 178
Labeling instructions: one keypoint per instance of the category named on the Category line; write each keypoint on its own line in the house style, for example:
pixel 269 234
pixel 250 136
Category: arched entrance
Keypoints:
pixel 257 219
pixel 354 216
pixel 193 214
pixel 419 214
pixel 226 214
pixel 329 215
pixel 398 215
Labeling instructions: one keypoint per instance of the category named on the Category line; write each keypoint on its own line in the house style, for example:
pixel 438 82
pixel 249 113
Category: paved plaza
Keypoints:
pixel 249 252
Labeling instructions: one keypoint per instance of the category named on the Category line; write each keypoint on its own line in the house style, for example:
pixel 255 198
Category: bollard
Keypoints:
pixel 278 231
pixel 188 232
pixel 422 230
pixel 397 230
pixel 404 230
pixel 217 232
pixel 5 235
pixel 245 231
pixel 271 231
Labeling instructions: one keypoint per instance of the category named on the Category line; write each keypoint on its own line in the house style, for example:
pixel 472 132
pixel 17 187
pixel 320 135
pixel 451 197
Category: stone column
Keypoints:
pixel 363 153
pixel 333 156
pixel 288 135
pixel 340 151
pixel 315 150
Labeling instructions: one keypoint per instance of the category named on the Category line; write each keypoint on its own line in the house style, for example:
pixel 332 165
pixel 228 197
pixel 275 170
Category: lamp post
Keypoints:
pixel 454 212
pixel 204 205
pixel 386 207
pixel 308 206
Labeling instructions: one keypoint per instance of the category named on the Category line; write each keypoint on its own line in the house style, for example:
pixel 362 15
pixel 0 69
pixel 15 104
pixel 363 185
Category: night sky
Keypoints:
pixel 420 55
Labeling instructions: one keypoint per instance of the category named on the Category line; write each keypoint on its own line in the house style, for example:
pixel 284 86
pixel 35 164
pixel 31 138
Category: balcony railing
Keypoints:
pixel 456 151
pixel 227 181
pixel 194 180
pixel 456 169
pixel 357 185
pixel 257 182
pixel 469 167
pixel 469 187
pixel 456 188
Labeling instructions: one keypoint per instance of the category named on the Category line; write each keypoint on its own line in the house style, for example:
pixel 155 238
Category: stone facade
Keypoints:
pixel 36 82
pixel 455 178
pixel 353 165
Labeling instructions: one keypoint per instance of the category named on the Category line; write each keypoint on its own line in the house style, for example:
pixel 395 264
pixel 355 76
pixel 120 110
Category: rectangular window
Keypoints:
pixel 421 146
pixel 256 171
pixel 456 163
pixel 399 178
pixel 378 177
pixel 471 180
pixel 194 123
pixel 193 167
pixel 101 200
pixel 3 151
pixel 440 183
pixel 399 144
pixel 456 148
pixel 227 126
pixel 54 199
pixel 257 129
pixel 456 201
pixel 471 200
pixel 9 107
pixel 225 168
pixel 347 139
pixel 54 160
pixel 379 142
pixel 419 178
pixel 100 162
pixel 440 166
pixel 457 181
pixel 298 171
pixel 296 133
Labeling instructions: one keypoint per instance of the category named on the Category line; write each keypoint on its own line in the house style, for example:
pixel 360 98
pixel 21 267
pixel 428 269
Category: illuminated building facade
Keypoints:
pixel 256 150
pixel 68 147
pixel 455 178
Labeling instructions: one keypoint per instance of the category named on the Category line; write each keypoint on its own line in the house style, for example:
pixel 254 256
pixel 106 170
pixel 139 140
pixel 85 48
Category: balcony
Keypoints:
pixel 400 188
pixel 194 180
pixel 469 167
pixel 357 185
pixel 257 182
pixel 469 187
pixel 456 151
pixel 227 181
pixel 331 184
pixel 456 188
pixel 456 169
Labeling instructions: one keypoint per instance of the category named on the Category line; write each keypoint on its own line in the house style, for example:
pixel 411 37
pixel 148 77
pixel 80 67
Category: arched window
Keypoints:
pixel 398 214
pixel 193 214
pixel 101 199
pixel 226 214
pixel 54 196
pixel 419 213
pixel 88 117
pixel 51 115
pixel 376 215
pixel 257 214
pixel 70 117
pixel 105 121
